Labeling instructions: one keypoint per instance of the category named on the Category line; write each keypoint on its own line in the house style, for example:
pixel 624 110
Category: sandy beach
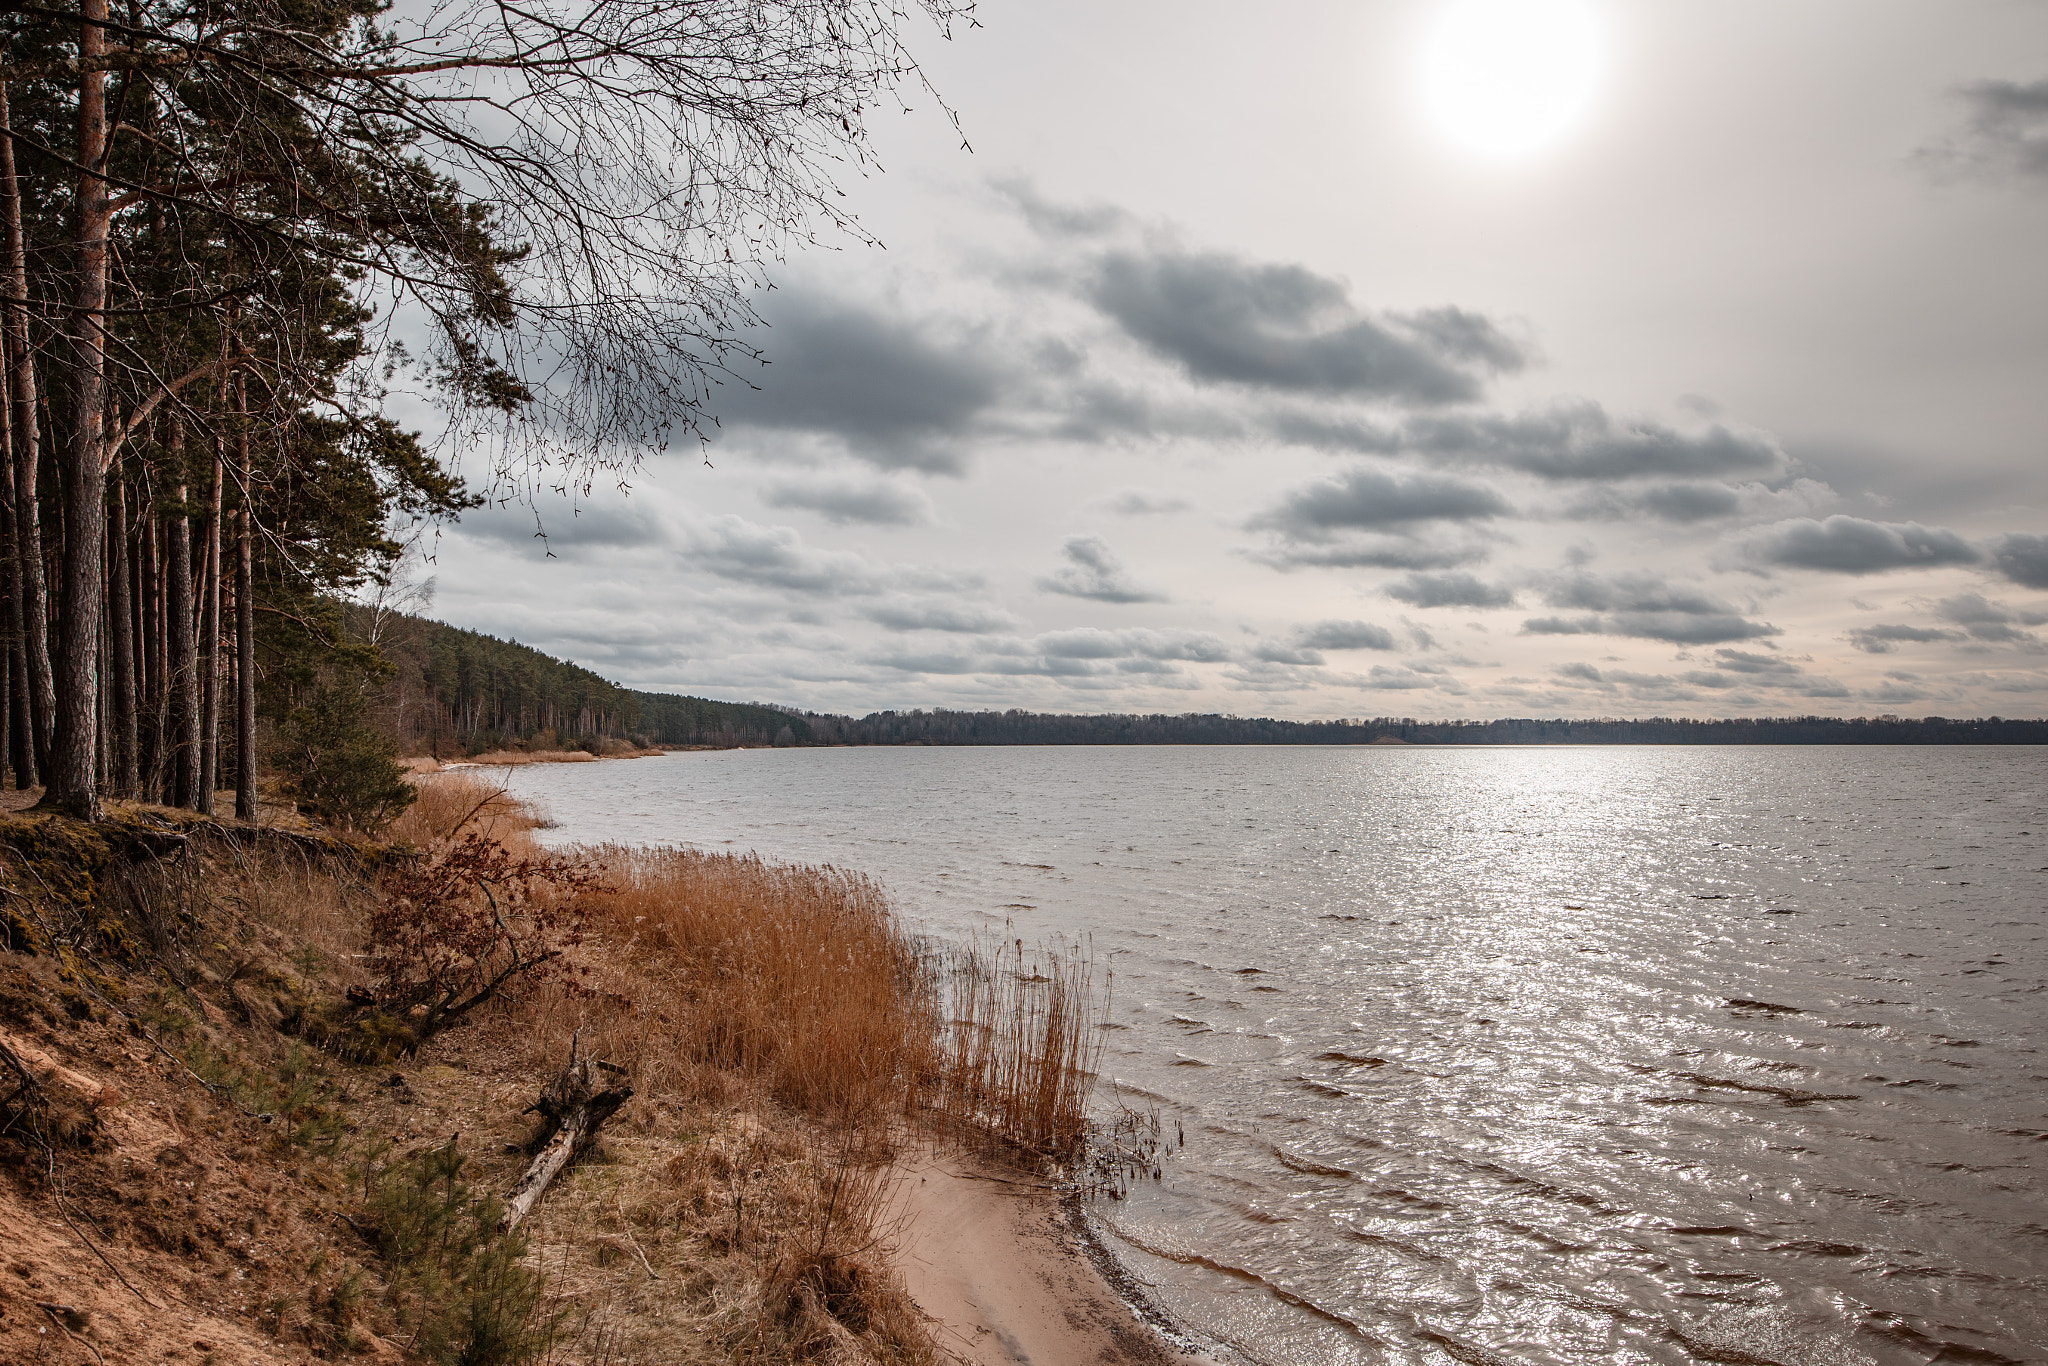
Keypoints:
pixel 992 1259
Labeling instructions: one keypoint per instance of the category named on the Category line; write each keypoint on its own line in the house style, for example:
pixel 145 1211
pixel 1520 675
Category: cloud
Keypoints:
pixel 1643 606
pixel 1373 552
pixel 1747 662
pixel 1370 517
pixel 1671 502
pixel 1143 503
pixel 1851 545
pixel 1362 498
pixel 1731 671
pixel 900 393
pixel 1455 589
pixel 1095 573
pixel 571 533
pixel 930 614
pixel 1050 219
pixel 747 552
pixel 1993 623
pixel 1093 643
pixel 1075 656
pixel 843 501
pixel 1346 635
pixel 1569 441
pixel 2005 131
pixel 1285 328
pixel 2023 559
pixel 1882 638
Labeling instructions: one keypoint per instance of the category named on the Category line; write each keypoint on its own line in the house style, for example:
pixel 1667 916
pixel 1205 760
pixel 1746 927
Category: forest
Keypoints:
pixel 456 692
pixel 1037 728
pixel 236 237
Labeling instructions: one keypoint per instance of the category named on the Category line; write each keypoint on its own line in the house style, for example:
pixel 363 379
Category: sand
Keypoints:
pixel 992 1258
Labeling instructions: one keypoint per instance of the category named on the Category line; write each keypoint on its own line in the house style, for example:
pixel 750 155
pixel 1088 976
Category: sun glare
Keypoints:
pixel 1505 78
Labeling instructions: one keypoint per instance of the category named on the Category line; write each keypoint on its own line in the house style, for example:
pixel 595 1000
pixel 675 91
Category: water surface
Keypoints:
pixel 1505 1055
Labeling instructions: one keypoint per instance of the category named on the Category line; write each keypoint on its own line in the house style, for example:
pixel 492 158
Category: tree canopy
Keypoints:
pixel 234 227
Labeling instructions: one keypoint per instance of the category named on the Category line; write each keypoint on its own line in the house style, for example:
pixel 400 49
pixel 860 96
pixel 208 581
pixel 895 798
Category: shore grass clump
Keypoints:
pixel 1019 1048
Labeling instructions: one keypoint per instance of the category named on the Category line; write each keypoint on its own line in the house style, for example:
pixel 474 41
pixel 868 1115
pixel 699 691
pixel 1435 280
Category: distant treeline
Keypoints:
pixel 1038 728
pixel 455 691
pixel 462 692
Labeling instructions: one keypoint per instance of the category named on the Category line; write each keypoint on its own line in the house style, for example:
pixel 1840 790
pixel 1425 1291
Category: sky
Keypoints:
pixel 1376 358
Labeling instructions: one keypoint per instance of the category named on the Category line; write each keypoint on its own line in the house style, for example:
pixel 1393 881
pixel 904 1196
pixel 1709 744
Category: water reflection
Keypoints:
pixel 1647 1055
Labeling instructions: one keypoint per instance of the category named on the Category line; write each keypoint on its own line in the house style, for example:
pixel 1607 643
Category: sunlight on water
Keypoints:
pixel 1532 1055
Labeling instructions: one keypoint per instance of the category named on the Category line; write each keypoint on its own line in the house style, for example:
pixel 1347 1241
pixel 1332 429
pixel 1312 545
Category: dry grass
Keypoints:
pixel 783 1034
pixel 798 978
pixel 459 802
pixel 779 1027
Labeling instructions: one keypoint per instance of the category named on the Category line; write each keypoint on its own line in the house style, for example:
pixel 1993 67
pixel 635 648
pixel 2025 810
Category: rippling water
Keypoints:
pixel 1490 1055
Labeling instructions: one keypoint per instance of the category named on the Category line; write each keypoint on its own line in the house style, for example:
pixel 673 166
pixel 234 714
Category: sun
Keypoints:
pixel 1507 78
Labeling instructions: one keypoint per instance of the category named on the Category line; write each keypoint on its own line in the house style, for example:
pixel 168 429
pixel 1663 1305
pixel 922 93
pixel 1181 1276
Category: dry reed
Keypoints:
pixel 798 977
pixel 460 802
pixel 1019 1050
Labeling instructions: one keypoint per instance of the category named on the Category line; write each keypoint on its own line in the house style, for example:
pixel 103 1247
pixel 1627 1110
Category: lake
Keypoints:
pixel 1538 1055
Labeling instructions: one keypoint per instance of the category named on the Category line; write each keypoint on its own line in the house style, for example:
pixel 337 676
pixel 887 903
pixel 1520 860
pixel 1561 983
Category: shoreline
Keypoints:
pixel 1005 1269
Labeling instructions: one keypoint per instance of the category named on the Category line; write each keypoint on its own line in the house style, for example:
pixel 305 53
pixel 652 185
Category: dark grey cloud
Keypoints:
pixel 1373 552
pixel 871 502
pixel 1284 327
pixel 1643 606
pixel 1884 638
pixel 2022 558
pixel 2004 132
pixel 1570 441
pixel 570 533
pixel 900 393
pixel 1685 502
pixel 1851 545
pixel 1453 589
pixel 1347 635
pixel 1093 571
pixel 1366 499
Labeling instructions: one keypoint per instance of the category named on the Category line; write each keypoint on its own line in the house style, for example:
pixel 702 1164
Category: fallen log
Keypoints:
pixel 581 1098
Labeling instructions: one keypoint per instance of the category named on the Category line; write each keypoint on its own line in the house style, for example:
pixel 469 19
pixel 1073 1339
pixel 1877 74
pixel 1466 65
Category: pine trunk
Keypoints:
pixel 121 623
pixel 32 597
pixel 73 786
pixel 245 621
pixel 209 648
pixel 180 668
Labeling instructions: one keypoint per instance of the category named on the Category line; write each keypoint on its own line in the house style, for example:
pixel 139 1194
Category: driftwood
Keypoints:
pixel 574 1104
